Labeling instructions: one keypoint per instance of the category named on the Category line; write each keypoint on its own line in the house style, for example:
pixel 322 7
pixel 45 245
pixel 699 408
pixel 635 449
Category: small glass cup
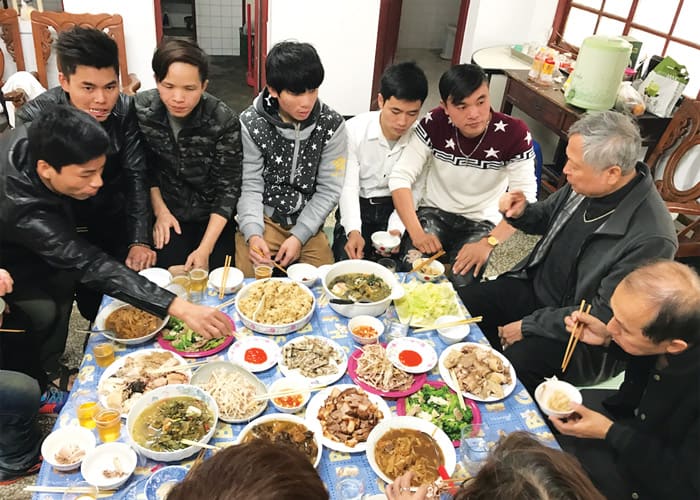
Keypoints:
pixel 182 280
pixel 198 284
pixel 390 264
pixel 85 409
pixel 474 448
pixel 262 271
pixel 109 424
pixel 350 489
pixel 104 354
pixel 395 330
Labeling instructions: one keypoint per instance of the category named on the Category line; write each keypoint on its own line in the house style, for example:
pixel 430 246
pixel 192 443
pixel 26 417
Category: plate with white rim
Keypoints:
pixel 302 352
pixel 254 353
pixel 447 376
pixel 317 402
pixel 411 355
pixel 105 388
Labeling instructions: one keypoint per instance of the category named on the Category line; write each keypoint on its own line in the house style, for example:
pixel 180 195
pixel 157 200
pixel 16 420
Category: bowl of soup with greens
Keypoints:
pixel 160 420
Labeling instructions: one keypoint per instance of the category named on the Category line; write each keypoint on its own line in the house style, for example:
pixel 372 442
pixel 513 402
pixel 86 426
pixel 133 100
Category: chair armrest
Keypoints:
pixel 681 208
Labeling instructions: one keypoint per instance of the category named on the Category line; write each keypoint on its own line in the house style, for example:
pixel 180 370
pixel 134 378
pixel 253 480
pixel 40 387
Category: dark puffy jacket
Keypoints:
pixel 199 173
pixel 124 195
pixel 38 236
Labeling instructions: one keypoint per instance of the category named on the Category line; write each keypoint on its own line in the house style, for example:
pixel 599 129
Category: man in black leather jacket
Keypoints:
pixel 118 218
pixel 58 159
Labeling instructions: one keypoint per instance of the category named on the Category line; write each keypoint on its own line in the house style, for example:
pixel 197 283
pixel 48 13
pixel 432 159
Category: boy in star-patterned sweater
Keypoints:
pixel 294 151
pixel 466 156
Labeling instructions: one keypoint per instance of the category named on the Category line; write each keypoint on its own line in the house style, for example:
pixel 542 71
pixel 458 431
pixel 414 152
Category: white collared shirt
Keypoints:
pixel 370 160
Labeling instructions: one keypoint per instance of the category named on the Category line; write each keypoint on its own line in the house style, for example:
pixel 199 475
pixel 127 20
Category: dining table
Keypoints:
pixel 517 411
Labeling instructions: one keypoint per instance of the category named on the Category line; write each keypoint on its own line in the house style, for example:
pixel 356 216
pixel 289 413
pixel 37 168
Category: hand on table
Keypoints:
pixel 510 333
pixel 583 423
pixel 140 257
pixel 206 321
pixel 355 245
pixel 512 204
pixel 161 229
pixel 472 255
pixel 400 489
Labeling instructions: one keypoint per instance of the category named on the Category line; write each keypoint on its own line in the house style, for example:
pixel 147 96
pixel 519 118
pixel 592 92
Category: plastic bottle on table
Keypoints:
pixel 547 72
pixel 537 62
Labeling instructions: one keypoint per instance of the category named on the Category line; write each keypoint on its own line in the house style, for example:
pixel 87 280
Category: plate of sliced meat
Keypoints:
pixel 318 359
pixel 346 415
pixel 370 368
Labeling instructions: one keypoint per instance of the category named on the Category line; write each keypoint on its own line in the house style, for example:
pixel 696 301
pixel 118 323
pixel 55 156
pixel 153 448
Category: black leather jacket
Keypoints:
pixel 124 195
pixel 38 236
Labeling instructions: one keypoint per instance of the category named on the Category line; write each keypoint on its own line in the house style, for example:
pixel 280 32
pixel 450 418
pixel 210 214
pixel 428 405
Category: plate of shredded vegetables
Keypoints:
pixel 177 337
pixel 424 303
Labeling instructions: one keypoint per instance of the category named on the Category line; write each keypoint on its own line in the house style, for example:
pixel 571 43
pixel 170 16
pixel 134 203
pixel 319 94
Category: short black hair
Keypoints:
pixel 64 135
pixel 461 81
pixel 86 47
pixel 175 50
pixel 293 66
pixel 405 81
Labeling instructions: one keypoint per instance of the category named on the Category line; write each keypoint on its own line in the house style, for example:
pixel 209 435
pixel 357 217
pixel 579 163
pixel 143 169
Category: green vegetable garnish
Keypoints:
pixel 441 407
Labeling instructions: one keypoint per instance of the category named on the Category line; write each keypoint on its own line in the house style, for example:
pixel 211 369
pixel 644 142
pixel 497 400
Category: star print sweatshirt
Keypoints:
pixel 467 176
pixel 292 172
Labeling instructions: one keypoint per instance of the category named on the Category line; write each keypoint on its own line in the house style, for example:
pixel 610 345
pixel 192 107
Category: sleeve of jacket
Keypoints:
pixel 549 321
pixel 133 160
pixel 329 184
pixel 250 203
pixel 350 217
pixel 647 459
pixel 228 170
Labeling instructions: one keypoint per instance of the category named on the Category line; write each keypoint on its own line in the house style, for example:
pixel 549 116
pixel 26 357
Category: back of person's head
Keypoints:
pixel 405 81
pixel 65 135
pixel 175 50
pixel 674 289
pixel 294 67
pixel 609 138
pixel 460 82
pixel 257 470
pixel 520 467
pixel 85 47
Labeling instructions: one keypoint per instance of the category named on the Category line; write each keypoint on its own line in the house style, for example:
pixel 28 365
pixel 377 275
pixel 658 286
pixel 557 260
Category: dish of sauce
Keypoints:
pixel 408 357
pixel 255 355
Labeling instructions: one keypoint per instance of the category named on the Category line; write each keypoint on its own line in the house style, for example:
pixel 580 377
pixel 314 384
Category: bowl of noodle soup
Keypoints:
pixel 127 324
pixel 397 445
pixel 275 306
pixel 555 396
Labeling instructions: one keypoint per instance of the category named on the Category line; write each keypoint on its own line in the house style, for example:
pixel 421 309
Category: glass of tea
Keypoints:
pixel 198 284
pixel 104 354
pixel 85 410
pixel 109 424
pixel 262 271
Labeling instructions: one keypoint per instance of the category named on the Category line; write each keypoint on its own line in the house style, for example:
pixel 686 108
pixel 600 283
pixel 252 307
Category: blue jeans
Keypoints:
pixel 20 437
pixel 453 231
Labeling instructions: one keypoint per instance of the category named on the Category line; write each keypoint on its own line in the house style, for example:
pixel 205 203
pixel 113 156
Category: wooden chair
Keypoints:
pixel 9 32
pixel 679 148
pixel 113 25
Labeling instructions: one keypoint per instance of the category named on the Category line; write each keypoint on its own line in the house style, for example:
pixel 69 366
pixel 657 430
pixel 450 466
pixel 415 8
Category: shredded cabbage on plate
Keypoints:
pixel 423 303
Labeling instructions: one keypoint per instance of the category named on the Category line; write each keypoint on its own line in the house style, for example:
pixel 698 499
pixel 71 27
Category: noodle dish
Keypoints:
pixel 127 324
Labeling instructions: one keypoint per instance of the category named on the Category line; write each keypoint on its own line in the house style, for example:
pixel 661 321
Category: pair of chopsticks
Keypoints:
pixel 179 368
pixel 458 390
pixel 197 461
pixel 261 254
pixel 71 489
pixel 427 262
pixel 11 330
pixel 449 324
pixel 189 442
pixel 574 338
pixel 224 277
pixel 287 392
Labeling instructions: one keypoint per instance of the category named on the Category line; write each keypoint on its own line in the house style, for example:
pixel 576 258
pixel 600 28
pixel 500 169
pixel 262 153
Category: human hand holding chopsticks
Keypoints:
pixel 400 489
pixel 593 330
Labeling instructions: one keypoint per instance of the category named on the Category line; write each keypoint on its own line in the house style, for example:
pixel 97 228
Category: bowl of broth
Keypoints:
pixel 163 417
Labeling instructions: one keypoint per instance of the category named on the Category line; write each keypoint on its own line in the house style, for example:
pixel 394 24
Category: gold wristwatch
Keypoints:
pixel 493 241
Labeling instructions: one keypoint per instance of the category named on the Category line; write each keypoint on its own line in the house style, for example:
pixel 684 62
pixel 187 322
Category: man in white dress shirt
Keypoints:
pixel 376 140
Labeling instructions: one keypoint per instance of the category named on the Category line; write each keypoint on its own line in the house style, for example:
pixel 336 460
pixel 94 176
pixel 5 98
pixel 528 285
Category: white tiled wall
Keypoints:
pixel 218 22
pixel 424 24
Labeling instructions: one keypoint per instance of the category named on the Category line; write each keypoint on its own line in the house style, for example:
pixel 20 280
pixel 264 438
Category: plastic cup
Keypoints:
pixel 182 280
pixel 474 450
pixel 85 411
pixel 350 489
pixel 262 271
pixel 395 330
pixel 104 354
pixel 109 424
pixel 198 284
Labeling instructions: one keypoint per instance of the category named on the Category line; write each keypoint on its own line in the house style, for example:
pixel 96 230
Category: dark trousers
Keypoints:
pixel 19 352
pixel 453 231
pixel 181 245
pixel 374 213
pixel 507 299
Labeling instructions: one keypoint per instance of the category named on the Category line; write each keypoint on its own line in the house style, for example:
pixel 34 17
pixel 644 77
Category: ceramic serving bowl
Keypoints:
pixel 291 403
pixel 364 320
pixel 306 274
pixel 430 273
pixel 109 309
pixel 67 439
pixel 157 275
pixel 553 391
pixel 109 466
pixel 453 334
pixel 384 241
pixel 234 280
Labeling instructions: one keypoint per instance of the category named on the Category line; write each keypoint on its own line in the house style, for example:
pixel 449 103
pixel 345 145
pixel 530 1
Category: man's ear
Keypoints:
pixel 677 346
pixel 63 80
pixel 614 174
pixel 272 92
pixel 205 84
pixel 443 105
pixel 380 100
pixel 44 169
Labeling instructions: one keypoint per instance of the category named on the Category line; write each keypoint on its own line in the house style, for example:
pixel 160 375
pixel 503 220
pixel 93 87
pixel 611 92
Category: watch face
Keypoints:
pixel 493 241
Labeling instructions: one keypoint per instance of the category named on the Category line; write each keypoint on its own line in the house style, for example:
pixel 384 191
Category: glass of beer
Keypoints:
pixel 109 424
pixel 262 271
pixel 198 284
pixel 104 354
pixel 85 409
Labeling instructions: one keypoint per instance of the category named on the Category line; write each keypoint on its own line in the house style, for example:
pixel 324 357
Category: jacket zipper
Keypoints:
pixel 292 174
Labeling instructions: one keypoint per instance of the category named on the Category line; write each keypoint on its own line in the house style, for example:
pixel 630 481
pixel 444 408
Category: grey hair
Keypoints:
pixel 609 138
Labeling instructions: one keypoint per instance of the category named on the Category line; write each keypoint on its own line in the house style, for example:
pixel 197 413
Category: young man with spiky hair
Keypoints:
pixel 294 149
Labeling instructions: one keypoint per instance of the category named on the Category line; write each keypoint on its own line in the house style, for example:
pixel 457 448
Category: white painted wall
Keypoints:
pixel 344 32
pixel 139 31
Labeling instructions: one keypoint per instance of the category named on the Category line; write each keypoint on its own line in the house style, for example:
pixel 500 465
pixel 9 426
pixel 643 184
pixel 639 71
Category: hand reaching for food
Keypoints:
pixel 207 321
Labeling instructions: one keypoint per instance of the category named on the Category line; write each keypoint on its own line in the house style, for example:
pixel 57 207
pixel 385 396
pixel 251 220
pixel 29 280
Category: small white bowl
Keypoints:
pixel 234 280
pixel 305 274
pixel 365 320
pixel 385 242
pixel 157 275
pixel 293 383
pixel 106 457
pixel 66 436
pixel 430 273
pixel 453 334
pixel 548 388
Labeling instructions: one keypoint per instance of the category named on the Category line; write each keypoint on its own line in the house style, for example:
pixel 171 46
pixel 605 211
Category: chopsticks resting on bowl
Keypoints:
pixel 71 489
pixel 450 324
pixel 261 254
pixel 574 338
pixel 179 368
pixel 224 277
pixel 11 330
pixel 460 396
pixel 287 392
pixel 189 442
pixel 427 262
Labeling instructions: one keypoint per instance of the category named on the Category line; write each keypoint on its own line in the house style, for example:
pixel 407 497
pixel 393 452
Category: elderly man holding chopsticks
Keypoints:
pixel 644 442
pixel 606 222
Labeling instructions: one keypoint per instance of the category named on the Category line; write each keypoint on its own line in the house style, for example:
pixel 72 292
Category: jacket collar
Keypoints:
pixel 268 108
pixel 159 113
